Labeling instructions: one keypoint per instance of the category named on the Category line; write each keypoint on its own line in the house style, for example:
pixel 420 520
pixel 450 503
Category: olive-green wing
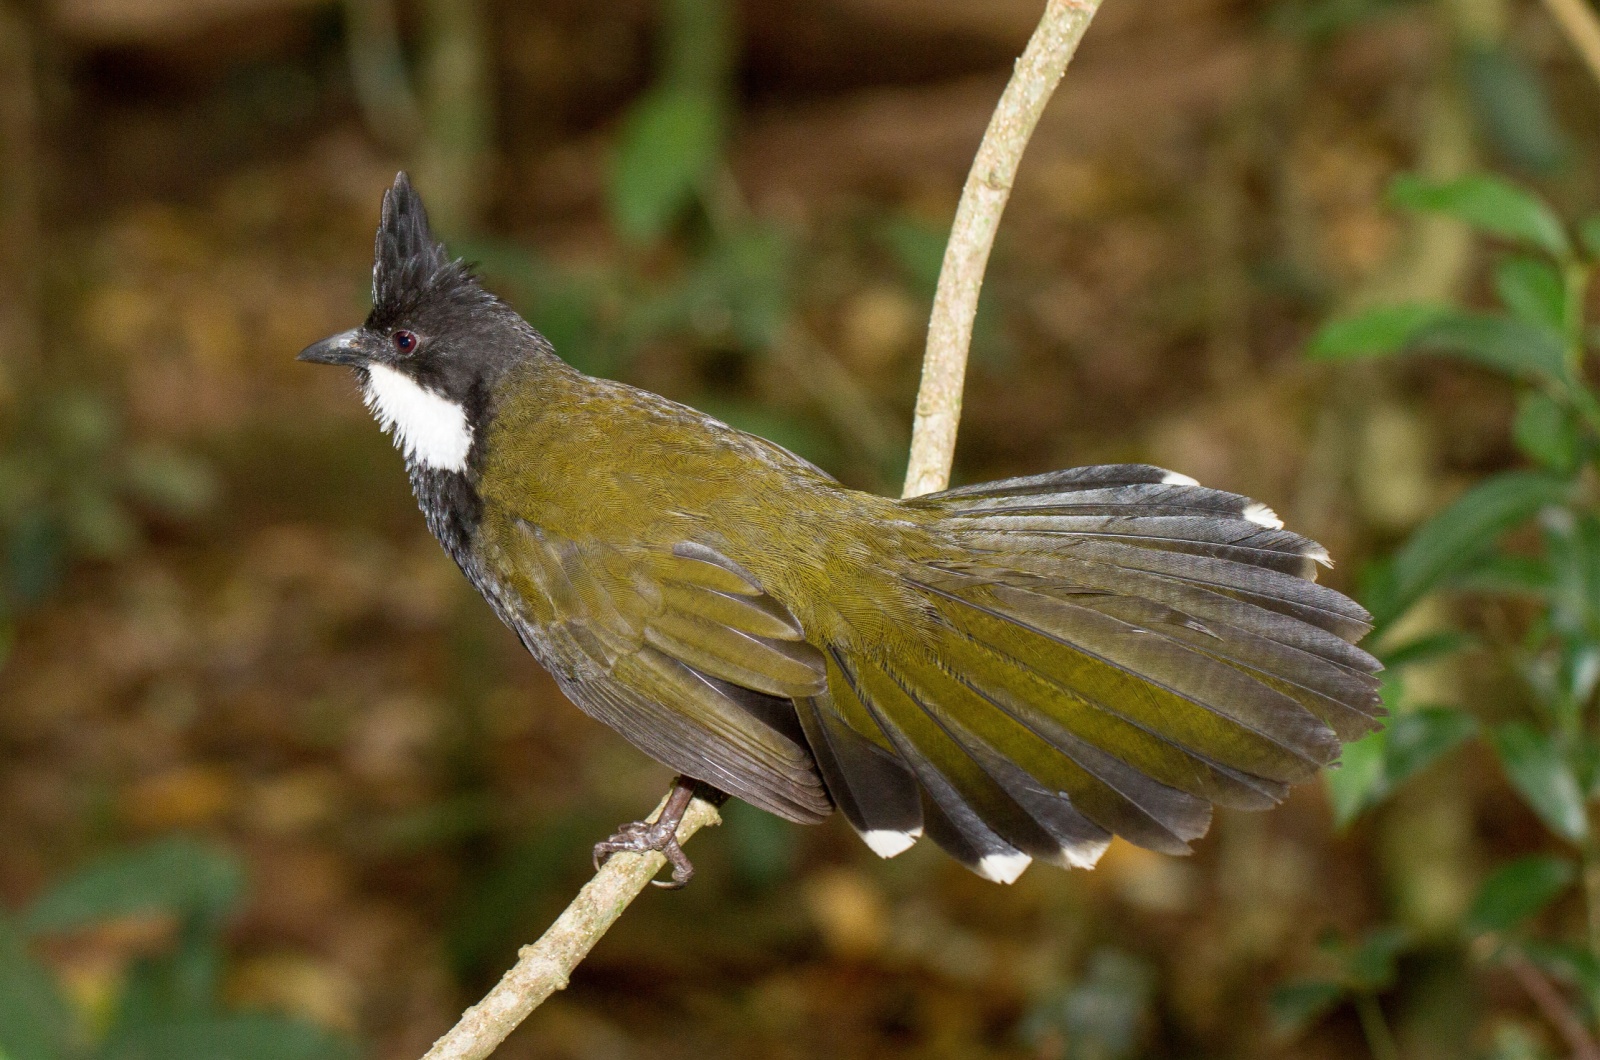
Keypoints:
pixel 1116 650
pixel 681 652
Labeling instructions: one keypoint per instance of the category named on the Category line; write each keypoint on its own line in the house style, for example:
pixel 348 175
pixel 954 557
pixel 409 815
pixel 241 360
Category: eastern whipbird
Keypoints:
pixel 1017 669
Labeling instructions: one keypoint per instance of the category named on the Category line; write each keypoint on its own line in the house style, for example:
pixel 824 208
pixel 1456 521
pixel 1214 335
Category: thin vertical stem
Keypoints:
pixel 20 331
pixel 1555 1009
pixel 457 111
pixel 1582 27
pixel 966 256
pixel 1380 1040
pixel 1591 893
pixel 378 72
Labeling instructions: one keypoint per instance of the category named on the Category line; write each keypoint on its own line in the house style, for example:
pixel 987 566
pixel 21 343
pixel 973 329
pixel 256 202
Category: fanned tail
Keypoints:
pixel 1115 650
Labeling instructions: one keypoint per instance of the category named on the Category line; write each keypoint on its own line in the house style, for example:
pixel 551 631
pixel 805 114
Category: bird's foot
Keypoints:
pixel 661 835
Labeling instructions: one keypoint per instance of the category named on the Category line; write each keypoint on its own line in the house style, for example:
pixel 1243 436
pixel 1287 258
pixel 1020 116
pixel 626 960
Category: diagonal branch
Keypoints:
pixel 955 306
pixel 544 967
pixel 1582 27
pixel 1555 1009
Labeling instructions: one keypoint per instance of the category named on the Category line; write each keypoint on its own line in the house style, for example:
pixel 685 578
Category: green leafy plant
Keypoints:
pixel 1530 536
pixel 170 1005
pixel 1353 972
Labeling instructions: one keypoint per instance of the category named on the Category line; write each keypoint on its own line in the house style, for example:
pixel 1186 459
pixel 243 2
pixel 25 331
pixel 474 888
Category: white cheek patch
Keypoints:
pixel 428 428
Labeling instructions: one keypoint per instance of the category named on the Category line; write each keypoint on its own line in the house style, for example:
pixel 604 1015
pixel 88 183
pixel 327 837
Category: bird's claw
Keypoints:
pixel 640 837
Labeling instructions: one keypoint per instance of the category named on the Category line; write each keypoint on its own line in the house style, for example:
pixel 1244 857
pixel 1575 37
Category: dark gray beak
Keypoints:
pixel 343 348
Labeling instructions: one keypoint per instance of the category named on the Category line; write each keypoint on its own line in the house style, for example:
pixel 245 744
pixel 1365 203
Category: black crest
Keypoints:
pixel 405 258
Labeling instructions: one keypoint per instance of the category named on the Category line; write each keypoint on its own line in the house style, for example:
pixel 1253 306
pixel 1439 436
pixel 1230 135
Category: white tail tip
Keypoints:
pixel 1261 515
pixel 1085 855
pixel 886 843
pixel 1003 868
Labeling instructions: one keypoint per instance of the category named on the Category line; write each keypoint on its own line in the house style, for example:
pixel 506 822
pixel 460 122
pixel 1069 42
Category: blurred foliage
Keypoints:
pixel 1356 970
pixel 169 1007
pixel 72 487
pixel 1105 1016
pixel 1548 746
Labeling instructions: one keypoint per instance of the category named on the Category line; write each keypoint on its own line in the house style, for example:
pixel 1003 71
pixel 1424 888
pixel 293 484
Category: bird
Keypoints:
pixel 1018 670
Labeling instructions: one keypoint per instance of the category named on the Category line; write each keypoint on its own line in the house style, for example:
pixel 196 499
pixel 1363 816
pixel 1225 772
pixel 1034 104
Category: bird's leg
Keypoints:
pixel 660 834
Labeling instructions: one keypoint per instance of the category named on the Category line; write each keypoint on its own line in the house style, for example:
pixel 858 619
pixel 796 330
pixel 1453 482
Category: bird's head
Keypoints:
pixel 435 343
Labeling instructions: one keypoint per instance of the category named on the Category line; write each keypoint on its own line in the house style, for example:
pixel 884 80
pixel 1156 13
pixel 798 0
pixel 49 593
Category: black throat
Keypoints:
pixel 452 508
pixel 449 499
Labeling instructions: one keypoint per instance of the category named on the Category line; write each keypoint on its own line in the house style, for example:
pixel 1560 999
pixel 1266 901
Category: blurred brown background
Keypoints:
pixel 225 617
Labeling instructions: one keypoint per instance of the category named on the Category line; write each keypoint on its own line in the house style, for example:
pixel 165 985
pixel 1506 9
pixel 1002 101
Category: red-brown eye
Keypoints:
pixel 404 341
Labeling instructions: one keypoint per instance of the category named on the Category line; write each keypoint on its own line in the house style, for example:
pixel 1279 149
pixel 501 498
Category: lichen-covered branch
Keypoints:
pixel 955 306
pixel 544 967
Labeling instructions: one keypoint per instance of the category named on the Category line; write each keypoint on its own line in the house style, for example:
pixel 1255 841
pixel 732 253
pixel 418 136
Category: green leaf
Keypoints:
pixel 1543 777
pixel 1504 344
pixel 1370 965
pixel 1519 891
pixel 1373 332
pixel 1510 575
pixel 1513 108
pixel 1533 289
pixel 180 876
pixel 670 140
pixel 1378 589
pixel 1489 204
pixel 1419 738
pixel 1572 550
pixel 740 289
pixel 1459 534
pixel 1373 766
pixel 1430 646
pixel 241 1037
pixel 1546 433
pixel 35 1023
pixel 1359 780
pixel 1296 1006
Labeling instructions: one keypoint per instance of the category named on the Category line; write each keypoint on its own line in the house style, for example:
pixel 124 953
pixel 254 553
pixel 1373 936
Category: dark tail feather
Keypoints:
pixel 1211 606
pixel 876 794
pixel 996 835
pixel 1115 650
